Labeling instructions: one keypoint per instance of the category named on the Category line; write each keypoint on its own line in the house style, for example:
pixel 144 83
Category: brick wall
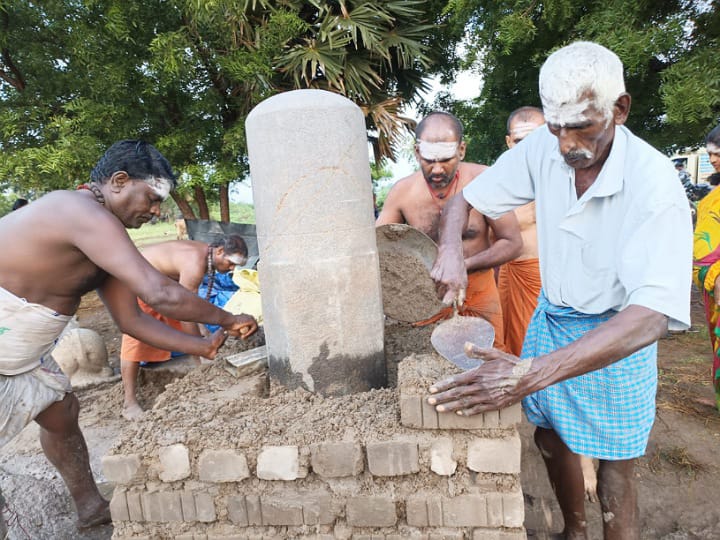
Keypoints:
pixel 441 477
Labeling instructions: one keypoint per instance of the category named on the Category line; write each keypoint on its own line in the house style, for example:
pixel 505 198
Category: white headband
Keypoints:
pixel 438 151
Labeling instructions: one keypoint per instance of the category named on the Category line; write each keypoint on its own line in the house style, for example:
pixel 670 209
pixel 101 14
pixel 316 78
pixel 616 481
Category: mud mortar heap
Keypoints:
pixel 320 447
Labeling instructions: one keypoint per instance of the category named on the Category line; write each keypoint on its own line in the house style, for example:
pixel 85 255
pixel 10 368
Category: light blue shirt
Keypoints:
pixel 627 240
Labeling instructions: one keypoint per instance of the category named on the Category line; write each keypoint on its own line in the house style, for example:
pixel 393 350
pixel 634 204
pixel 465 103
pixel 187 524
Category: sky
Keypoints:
pixel 467 86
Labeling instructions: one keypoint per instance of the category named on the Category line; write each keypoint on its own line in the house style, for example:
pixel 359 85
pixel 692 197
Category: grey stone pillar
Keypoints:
pixel 319 273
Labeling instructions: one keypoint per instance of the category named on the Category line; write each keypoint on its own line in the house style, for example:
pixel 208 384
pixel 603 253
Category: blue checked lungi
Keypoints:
pixel 605 414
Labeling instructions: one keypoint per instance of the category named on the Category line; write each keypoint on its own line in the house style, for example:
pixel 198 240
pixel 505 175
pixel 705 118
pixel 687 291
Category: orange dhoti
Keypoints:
pixel 481 300
pixel 519 286
pixel 133 350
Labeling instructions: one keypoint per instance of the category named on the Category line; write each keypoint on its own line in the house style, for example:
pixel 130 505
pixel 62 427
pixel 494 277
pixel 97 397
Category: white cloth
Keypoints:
pixel 27 333
pixel 24 396
pixel 627 240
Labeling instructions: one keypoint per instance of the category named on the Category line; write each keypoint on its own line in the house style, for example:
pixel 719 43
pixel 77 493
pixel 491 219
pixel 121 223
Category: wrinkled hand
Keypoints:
pixel 450 275
pixel 214 342
pixel 242 326
pixel 496 384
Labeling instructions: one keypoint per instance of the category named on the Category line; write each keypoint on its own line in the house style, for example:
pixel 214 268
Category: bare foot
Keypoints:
pixel 132 412
pixel 97 514
pixel 589 478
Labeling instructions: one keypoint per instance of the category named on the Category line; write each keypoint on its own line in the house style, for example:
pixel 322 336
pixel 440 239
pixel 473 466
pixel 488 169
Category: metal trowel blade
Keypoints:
pixel 449 339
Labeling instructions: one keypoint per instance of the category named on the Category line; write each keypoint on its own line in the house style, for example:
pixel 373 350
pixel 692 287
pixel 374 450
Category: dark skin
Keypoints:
pixel 66 244
pixel 504 379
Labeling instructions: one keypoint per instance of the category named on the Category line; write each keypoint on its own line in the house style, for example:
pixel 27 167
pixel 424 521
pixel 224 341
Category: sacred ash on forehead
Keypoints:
pixel 521 129
pixel 573 74
pixel 437 151
pixel 161 186
pixel 236 258
pixel 712 148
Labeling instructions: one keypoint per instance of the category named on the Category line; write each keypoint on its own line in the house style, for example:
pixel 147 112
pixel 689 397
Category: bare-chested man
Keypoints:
pixel 419 199
pixel 186 262
pixel 61 246
pixel 519 279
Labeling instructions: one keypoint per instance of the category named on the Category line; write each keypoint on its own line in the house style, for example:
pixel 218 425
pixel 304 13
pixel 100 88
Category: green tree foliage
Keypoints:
pixel 668 47
pixel 77 75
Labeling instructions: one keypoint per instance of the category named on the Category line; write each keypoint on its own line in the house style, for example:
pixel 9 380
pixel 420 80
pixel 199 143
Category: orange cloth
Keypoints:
pixel 132 350
pixel 481 300
pixel 519 287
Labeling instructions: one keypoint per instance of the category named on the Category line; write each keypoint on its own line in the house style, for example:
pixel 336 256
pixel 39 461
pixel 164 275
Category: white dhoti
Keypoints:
pixel 30 380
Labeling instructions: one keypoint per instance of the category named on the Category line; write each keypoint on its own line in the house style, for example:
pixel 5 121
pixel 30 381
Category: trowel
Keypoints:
pixel 449 338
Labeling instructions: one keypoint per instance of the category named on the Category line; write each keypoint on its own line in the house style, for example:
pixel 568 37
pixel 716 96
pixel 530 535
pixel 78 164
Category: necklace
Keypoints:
pixel 210 273
pixel 451 187
pixel 95 190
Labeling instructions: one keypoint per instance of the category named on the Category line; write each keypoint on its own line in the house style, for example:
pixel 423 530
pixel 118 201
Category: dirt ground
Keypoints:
pixel 678 484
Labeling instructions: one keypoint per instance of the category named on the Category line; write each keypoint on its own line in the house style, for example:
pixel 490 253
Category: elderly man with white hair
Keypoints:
pixel 615 242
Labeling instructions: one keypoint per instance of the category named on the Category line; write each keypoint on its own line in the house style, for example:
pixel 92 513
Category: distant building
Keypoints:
pixel 697 164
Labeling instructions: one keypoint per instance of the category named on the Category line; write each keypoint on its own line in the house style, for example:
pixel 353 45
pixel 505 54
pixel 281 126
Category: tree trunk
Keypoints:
pixel 224 204
pixel 202 203
pixel 183 205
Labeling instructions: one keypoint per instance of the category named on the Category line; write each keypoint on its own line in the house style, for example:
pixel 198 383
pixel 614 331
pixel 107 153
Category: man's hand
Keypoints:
pixel 450 275
pixel 241 326
pixel 214 341
pixel 493 385
pixel 716 291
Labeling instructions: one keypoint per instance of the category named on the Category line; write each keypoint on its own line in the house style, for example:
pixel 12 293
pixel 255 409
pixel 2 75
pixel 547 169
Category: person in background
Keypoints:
pixel 187 262
pixel 419 199
pixel 706 261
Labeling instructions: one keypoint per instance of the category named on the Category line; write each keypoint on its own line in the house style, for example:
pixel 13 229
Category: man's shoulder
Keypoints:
pixel 469 171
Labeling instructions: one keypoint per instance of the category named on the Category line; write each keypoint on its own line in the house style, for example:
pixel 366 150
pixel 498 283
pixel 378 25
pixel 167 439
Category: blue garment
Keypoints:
pixel 605 414
pixel 223 289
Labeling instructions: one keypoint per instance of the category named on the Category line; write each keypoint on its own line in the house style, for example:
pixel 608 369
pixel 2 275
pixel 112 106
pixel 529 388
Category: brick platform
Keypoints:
pixel 443 477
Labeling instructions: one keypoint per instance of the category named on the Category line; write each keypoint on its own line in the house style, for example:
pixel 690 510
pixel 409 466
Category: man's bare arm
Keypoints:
pixel 449 268
pixel 124 309
pixel 504 379
pixel 391 211
pixel 507 245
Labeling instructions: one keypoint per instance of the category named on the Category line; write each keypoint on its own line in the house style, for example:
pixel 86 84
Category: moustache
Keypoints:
pixel 577 155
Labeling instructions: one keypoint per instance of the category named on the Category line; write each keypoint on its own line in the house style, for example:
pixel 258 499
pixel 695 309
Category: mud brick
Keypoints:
pixel 118 506
pixel 452 420
pixel 494 503
pixel 510 416
pixel 134 504
pixel 491 419
pixel 371 512
pixel 495 455
pixel 237 513
pixel 318 510
pixel 434 508
pixel 513 509
pixel 454 535
pixel 429 414
pixel 336 459
pixel 222 466
pixel 393 458
pixel 252 506
pixel 174 462
pixel 416 512
pixel 490 534
pixel 162 506
pixel 464 511
pixel 281 511
pixel 441 457
pixel 205 507
pixel 187 502
pixel 411 411
pixel 278 463
pixel 122 469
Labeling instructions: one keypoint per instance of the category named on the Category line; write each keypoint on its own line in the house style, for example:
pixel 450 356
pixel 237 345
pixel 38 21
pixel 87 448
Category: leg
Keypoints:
pixel 129 373
pixel 589 477
pixel 64 445
pixel 566 478
pixel 618 498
